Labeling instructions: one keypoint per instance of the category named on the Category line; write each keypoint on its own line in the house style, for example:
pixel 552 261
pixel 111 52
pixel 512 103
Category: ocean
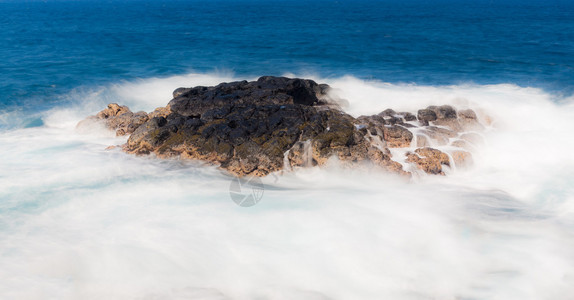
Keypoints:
pixel 78 221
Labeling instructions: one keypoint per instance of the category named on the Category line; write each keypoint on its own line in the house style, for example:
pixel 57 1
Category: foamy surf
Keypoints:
pixel 78 221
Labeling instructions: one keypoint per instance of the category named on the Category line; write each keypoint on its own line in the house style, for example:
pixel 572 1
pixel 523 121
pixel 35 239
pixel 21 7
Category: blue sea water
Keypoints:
pixel 51 47
pixel 78 221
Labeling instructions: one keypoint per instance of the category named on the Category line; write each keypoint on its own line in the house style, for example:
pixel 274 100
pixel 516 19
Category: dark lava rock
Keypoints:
pixel 247 127
pixel 425 116
pixel 267 90
pixel 263 126
pixel 444 111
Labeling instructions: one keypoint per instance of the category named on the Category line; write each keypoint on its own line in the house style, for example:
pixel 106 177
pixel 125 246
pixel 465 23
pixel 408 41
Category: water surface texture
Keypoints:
pixel 81 222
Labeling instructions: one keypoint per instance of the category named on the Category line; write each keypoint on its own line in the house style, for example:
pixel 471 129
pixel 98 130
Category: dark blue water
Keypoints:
pixel 48 48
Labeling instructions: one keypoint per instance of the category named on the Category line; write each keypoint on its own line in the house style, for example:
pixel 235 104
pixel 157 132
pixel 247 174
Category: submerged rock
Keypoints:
pixel 462 159
pixel 275 123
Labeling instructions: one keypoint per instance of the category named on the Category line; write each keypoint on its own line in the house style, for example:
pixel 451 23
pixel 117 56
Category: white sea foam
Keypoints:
pixel 80 222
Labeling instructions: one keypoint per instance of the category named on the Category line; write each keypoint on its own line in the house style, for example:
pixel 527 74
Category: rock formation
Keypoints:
pixel 275 123
pixel 118 118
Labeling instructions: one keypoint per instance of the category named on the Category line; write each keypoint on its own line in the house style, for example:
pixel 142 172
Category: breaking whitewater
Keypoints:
pixel 78 221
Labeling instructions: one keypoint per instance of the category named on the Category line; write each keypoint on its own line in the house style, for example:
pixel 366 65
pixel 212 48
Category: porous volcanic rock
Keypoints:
pixel 429 160
pixel 118 118
pixel 247 127
pixel 275 123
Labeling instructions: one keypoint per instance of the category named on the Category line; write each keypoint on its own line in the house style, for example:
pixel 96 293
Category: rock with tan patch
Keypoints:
pixel 117 118
pixel 429 160
pixel 247 127
pixel 255 128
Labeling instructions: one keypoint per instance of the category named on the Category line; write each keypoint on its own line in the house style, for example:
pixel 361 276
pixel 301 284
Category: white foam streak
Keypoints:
pixel 80 222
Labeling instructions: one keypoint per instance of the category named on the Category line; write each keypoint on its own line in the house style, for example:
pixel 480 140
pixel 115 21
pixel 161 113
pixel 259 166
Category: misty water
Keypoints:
pixel 78 221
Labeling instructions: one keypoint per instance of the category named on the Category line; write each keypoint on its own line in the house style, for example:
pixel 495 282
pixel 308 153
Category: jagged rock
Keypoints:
pixel 446 116
pixel 429 160
pixel 180 91
pixel 113 110
pixel 407 116
pixel 267 90
pixel 118 118
pixel 128 122
pixel 392 130
pixel 391 117
pixel 397 136
pixel 246 127
pixel 384 160
pixel 263 126
pixel 444 112
pixel 387 112
pixel 160 112
pixel 425 116
pixel 300 155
